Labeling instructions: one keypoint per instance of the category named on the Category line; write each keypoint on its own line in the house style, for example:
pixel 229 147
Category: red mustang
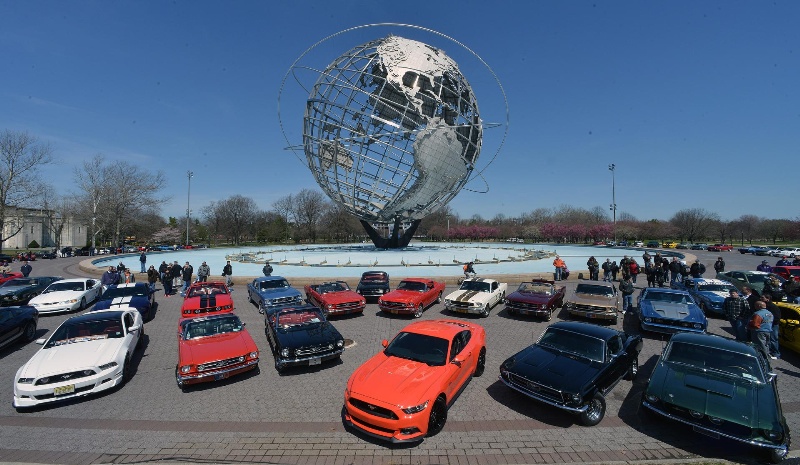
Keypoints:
pixel 206 297
pixel 212 348
pixel 335 298
pixel 720 248
pixel 538 297
pixel 402 393
pixel 9 276
pixel 412 296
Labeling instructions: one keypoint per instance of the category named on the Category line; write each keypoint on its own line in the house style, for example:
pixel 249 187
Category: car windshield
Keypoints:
pixel 594 289
pixel 274 284
pixel 65 286
pixel 203 327
pixel 333 287
pixel 715 287
pixel 374 277
pixel 476 286
pixel 756 278
pixel 574 343
pixel 298 319
pixel 656 296
pixel 205 290
pixel 537 288
pixel 19 282
pixel 419 347
pixel 130 291
pixel 735 364
pixel 411 286
pixel 81 331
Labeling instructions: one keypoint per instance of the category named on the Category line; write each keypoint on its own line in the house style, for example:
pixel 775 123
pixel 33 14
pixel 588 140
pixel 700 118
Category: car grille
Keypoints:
pixel 397 305
pixel 199 311
pixel 591 308
pixel 373 409
pixel 458 304
pixel 78 390
pixel 312 350
pixel 671 322
pixel 220 364
pixel 535 389
pixel 347 306
pixel 727 427
pixel 523 306
pixel 63 377
pixel 284 300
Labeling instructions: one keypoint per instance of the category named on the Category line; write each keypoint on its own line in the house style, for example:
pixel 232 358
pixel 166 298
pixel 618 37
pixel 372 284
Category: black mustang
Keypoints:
pixel 19 291
pixel 302 336
pixel 17 323
pixel 574 366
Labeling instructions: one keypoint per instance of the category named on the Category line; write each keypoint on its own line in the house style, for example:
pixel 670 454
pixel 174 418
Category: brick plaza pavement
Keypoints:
pixel 296 418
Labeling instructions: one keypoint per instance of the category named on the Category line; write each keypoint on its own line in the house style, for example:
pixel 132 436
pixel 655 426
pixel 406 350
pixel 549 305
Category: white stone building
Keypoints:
pixel 35 227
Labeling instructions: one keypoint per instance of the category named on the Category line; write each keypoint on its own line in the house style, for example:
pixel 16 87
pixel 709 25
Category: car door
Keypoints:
pixel 789 328
pixel 456 372
pixel 8 330
pixel 615 363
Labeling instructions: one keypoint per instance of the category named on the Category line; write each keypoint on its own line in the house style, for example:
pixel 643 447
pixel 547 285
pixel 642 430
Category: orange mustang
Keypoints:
pixel 403 393
pixel 335 298
pixel 412 296
pixel 206 297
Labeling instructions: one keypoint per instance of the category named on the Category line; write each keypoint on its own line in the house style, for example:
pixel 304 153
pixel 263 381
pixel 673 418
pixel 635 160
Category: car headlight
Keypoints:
pixel 106 366
pixel 285 353
pixel 330 307
pixel 253 354
pixel 651 398
pixel 476 304
pixel 648 320
pixel 695 414
pixel 340 343
pixel 44 380
pixel 416 408
pixel 698 326
pixel 570 305
pixel 574 399
pixel 25 381
pixel 448 302
pixel 186 369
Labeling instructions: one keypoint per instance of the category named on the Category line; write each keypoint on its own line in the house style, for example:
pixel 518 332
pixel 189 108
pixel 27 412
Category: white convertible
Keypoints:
pixel 476 295
pixel 67 295
pixel 88 353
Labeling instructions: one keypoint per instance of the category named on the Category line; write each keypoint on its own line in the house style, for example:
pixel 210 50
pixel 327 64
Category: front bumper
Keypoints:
pixel 56 308
pixel 29 395
pixel 592 315
pixel 216 375
pixel 669 329
pixel 528 309
pixel 543 399
pixel 784 448
pixel 372 291
pixel 406 428
pixel 310 360
pixel 464 309
pixel 397 310
pixel 346 310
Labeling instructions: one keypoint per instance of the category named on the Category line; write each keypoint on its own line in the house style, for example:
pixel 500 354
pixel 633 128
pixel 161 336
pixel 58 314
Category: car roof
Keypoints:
pixel 74 280
pixel 595 283
pixel 444 329
pixel 369 273
pixel 586 328
pixel 270 278
pixel 709 281
pixel 713 340
pixel 128 285
pixel 101 314
pixel 418 280
pixel 667 290
pixel 184 321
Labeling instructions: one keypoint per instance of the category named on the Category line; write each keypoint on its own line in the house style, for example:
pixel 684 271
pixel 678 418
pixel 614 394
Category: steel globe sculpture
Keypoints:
pixel 392 132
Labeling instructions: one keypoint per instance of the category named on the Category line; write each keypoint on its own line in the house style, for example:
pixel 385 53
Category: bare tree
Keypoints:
pixel 21 157
pixel 283 207
pixel 238 214
pixel 309 206
pixel 57 210
pixel 694 223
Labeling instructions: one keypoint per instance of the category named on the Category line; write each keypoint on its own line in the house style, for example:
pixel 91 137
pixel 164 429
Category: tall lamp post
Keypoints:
pixel 613 207
pixel 189 174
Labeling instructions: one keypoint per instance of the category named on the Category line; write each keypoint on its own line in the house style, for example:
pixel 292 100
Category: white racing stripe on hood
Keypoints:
pixel 121 301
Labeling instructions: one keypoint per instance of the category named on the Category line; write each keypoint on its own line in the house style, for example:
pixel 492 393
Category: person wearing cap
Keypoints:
pixel 202 272
pixel 267 270
pixel 784 261
pixel 764 266
pixel 227 271
pixel 186 274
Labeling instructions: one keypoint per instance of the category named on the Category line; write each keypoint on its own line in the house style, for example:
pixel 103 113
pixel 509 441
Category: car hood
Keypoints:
pixel 278 292
pixel 213 348
pixel 671 310
pixel 593 299
pixel 341 297
pixel 467 296
pixel 57 296
pixel 136 301
pixel 403 295
pixel 561 371
pixel 71 357
pixel 714 296
pixel 733 399
pixel 395 380
pixel 8 290
pixel 529 297
pixel 313 334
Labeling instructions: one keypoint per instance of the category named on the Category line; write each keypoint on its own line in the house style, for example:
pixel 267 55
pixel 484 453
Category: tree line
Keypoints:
pixel 120 201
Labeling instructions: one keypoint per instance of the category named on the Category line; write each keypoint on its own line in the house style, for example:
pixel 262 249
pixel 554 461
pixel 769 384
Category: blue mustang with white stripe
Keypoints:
pixel 136 295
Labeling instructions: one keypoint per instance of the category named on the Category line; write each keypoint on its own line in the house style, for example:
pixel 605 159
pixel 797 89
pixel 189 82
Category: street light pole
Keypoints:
pixel 612 167
pixel 189 174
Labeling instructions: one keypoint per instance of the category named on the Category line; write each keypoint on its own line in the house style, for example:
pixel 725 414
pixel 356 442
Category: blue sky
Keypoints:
pixel 697 103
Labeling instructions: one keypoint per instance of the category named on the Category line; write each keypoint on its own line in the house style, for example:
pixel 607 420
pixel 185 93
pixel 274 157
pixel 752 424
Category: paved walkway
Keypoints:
pixel 296 418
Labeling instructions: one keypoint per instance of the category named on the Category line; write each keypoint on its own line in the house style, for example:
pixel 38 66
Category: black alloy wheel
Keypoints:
pixel 481 367
pixel 438 417
pixel 29 333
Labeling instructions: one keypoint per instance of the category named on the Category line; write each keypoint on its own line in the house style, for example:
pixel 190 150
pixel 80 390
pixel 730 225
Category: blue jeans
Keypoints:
pixel 761 341
pixel 627 302
pixel 558 274
pixel 774 344
pixel 152 287
pixel 186 285
pixel 607 276
pixel 633 277
pixel 143 264
pixel 739 328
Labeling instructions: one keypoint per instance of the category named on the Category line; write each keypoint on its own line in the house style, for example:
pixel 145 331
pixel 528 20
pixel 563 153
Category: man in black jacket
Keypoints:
pixel 675 268
pixel 227 271
pixel 186 274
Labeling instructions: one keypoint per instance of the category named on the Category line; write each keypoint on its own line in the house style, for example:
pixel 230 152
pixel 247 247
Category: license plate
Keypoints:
pixel 710 434
pixel 219 376
pixel 63 390
pixel 461 310
pixel 314 361
pixel 392 311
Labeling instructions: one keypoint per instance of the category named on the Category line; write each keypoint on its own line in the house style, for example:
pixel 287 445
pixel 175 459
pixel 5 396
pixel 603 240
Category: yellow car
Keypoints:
pixel 789 329
pixel 669 245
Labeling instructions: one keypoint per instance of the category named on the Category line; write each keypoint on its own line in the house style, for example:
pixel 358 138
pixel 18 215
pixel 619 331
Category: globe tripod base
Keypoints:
pixel 394 241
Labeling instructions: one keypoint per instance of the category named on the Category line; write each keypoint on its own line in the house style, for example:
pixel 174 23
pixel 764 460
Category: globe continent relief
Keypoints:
pixel 392 130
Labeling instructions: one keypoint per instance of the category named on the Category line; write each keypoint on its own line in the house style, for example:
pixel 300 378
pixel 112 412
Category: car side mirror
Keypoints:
pixel 457 362
pixel 385 343
pixel 771 376
pixel 41 341
pixel 134 328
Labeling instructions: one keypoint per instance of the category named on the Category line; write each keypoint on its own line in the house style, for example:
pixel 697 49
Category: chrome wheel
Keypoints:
pixel 419 311
pixel 595 412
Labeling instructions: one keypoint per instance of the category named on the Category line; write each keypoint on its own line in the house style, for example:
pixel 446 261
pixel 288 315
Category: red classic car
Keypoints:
pixel 9 276
pixel 538 297
pixel 720 248
pixel 335 298
pixel 412 296
pixel 213 348
pixel 786 271
pixel 206 297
